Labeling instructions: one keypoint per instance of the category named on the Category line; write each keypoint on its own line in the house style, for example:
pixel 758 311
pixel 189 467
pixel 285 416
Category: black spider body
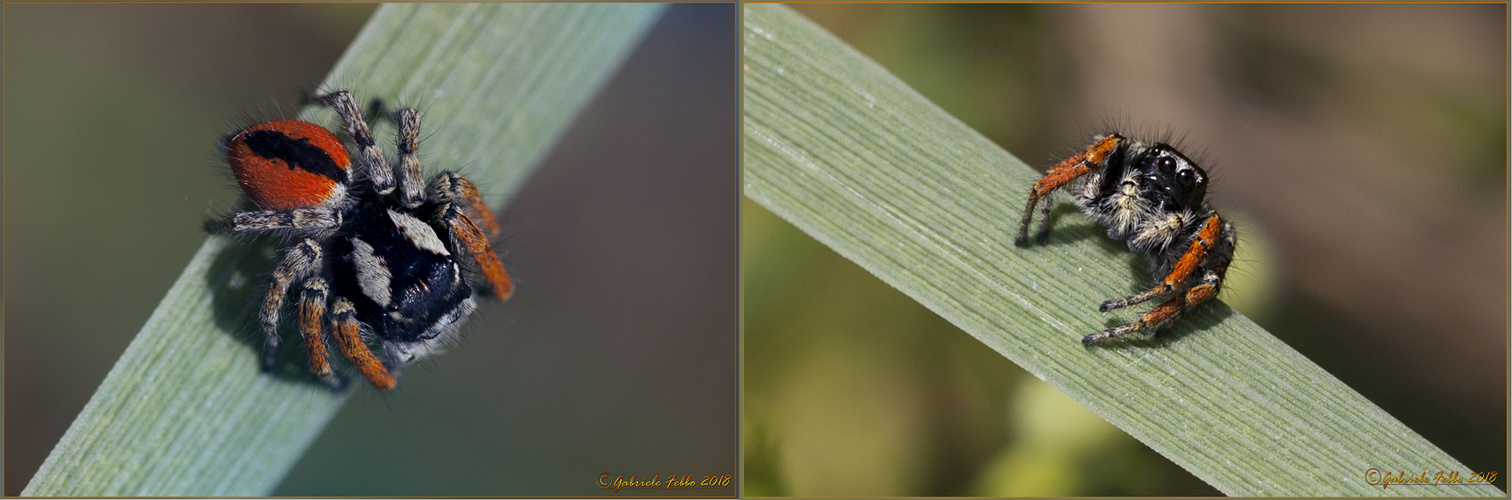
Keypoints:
pixel 400 272
pixel 1153 198
pixel 376 254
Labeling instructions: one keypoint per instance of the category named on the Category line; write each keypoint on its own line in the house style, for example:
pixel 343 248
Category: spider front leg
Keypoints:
pixel 466 235
pixel 1210 253
pixel 298 261
pixel 349 338
pixel 1196 252
pixel 1058 176
pixel 1167 312
pixel 454 188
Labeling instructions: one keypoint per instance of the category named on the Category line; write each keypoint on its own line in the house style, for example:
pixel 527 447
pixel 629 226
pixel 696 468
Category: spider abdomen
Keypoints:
pixel 288 164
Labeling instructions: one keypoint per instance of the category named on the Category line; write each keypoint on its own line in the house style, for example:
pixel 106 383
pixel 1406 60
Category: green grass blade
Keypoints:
pixel 185 411
pixel 839 147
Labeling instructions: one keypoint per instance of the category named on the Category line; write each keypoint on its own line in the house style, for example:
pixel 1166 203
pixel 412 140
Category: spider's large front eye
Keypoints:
pixel 1166 164
pixel 1184 178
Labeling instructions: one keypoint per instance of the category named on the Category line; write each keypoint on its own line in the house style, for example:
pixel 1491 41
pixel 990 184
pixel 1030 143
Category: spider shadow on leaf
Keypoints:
pixel 236 281
pixel 1204 318
pixel 1200 319
pixel 1069 232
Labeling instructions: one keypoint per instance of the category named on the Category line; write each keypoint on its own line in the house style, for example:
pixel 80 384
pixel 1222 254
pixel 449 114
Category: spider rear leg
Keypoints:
pixel 312 319
pixel 1043 234
pixel 349 338
pixel 373 164
pixel 407 166
pixel 411 184
pixel 1058 176
pixel 298 261
pixel 466 235
pixel 1165 328
pixel 1138 298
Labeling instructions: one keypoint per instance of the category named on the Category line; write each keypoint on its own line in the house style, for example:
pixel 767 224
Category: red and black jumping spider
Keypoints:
pixel 377 254
pixel 1152 197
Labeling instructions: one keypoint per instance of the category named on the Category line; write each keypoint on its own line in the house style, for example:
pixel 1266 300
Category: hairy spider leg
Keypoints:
pixel 300 219
pixel 449 186
pixel 1058 176
pixel 466 235
pixel 1168 310
pixel 298 261
pixel 1214 231
pixel 1205 239
pixel 312 314
pixel 349 338
pixel 411 182
pixel 374 165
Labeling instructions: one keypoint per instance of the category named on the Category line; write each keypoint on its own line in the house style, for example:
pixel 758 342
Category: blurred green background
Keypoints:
pixel 1362 149
pixel 617 354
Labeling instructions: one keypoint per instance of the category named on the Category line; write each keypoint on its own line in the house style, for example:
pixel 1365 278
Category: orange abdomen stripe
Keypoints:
pixel 288 164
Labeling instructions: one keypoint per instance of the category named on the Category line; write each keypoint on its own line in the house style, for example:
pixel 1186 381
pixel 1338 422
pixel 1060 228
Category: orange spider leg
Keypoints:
pixel 1162 312
pixel 1193 297
pixel 312 328
pixel 1206 237
pixel 473 204
pixel 1166 311
pixel 349 338
pixel 465 234
pixel 1061 174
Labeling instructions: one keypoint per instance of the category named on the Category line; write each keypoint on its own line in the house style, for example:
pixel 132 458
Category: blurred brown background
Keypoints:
pixel 618 353
pixel 1362 148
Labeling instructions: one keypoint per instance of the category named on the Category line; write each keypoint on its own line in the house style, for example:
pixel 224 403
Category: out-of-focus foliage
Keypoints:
pixel 852 388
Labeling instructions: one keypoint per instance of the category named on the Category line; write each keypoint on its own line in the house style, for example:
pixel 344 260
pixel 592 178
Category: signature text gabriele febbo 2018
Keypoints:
pixel 607 481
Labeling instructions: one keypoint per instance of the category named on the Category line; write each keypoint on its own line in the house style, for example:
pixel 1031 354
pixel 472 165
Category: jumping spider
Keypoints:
pixel 376 252
pixel 1152 197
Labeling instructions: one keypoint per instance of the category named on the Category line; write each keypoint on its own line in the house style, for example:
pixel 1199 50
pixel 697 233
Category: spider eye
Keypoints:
pixel 1184 178
pixel 1166 165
